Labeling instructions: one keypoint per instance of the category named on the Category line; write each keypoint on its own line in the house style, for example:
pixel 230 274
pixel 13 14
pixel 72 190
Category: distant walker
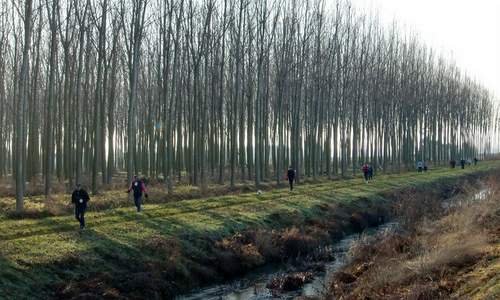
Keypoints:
pixel 290 174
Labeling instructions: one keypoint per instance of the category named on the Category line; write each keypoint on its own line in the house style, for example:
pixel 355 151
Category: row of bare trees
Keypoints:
pixel 223 90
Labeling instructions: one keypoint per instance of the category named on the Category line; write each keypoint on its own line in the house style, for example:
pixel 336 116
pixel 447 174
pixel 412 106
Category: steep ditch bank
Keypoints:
pixel 408 204
pixel 298 241
pixel 450 251
pixel 302 278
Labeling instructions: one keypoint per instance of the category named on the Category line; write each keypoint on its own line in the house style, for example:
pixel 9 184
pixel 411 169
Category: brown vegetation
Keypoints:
pixel 436 247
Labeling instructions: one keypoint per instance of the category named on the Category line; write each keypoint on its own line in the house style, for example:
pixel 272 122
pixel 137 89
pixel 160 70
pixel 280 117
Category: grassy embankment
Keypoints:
pixel 440 253
pixel 171 246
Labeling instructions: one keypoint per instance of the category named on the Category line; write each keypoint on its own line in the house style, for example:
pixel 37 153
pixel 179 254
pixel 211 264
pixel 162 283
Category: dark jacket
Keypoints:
pixel 290 174
pixel 80 198
pixel 138 187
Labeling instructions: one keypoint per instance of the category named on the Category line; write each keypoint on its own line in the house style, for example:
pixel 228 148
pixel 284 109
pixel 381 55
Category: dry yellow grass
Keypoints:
pixel 456 255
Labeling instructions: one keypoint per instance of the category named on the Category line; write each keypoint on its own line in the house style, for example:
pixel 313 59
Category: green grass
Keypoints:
pixel 37 253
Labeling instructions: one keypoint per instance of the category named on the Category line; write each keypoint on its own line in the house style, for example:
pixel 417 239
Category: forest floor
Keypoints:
pixel 174 246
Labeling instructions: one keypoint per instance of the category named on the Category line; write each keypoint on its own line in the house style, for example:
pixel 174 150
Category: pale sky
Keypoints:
pixel 468 30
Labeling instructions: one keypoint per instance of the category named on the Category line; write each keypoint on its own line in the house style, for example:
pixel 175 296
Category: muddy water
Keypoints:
pixel 253 286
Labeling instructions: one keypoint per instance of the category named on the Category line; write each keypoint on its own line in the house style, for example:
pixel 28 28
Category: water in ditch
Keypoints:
pixel 253 285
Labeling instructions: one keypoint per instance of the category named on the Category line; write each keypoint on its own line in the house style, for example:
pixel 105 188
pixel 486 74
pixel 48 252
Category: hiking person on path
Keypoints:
pixel 475 161
pixel 370 172
pixel 425 167
pixel 366 169
pixel 453 163
pixel 462 163
pixel 420 166
pixel 80 197
pixel 139 188
pixel 290 174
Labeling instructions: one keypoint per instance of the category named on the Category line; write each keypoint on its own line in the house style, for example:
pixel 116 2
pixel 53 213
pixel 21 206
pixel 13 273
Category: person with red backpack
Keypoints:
pixel 138 187
pixel 366 171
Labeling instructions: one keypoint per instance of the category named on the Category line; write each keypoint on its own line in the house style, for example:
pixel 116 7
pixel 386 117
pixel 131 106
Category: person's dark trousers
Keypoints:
pixel 366 176
pixel 137 201
pixel 291 184
pixel 80 215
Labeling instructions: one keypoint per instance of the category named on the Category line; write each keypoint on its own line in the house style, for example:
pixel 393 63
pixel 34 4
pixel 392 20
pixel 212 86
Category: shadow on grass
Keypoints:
pixel 106 269
pixel 15 229
pixel 15 281
pixel 99 205
pixel 34 227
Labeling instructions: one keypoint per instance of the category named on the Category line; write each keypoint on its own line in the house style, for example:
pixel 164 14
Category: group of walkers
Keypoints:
pixel 367 170
pixel 464 162
pixel 80 198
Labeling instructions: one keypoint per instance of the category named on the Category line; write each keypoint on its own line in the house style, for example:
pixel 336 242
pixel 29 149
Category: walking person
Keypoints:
pixel 80 198
pixel 138 187
pixel 365 168
pixel 453 163
pixel 462 163
pixel 475 161
pixel 370 172
pixel 290 174
pixel 420 166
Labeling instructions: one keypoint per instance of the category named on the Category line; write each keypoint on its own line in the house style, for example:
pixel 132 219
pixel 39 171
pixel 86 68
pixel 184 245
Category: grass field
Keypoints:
pixel 39 255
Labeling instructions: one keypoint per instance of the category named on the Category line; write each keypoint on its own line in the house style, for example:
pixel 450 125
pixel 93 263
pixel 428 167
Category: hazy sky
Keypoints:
pixel 469 30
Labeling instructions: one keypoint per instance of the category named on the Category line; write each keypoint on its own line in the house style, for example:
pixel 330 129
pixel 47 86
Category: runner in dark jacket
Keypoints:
pixel 366 169
pixel 453 163
pixel 80 197
pixel 462 163
pixel 420 166
pixel 290 174
pixel 138 187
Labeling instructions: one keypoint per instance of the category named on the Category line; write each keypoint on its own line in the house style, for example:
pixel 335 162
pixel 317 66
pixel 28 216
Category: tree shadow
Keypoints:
pixel 104 266
pixel 14 281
